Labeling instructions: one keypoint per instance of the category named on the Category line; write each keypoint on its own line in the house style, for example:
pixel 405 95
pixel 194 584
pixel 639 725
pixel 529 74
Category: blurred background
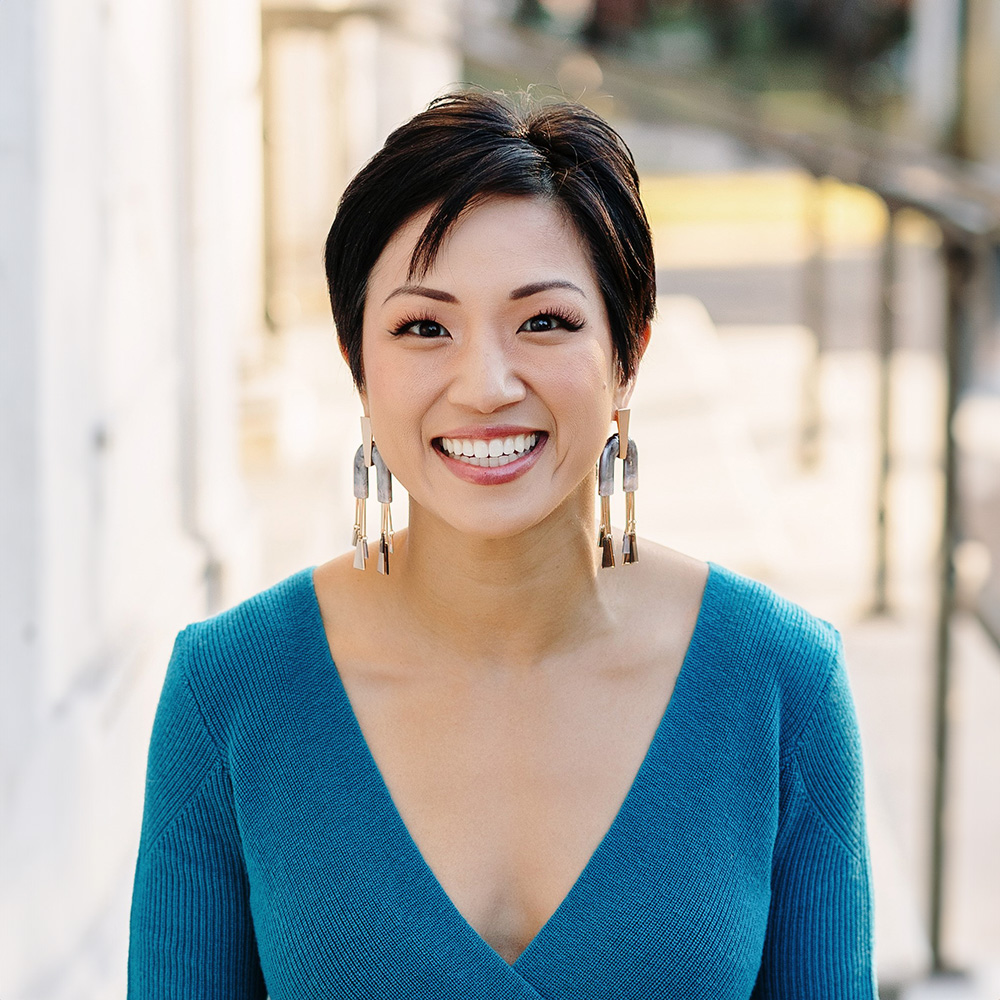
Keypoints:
pixel 820 406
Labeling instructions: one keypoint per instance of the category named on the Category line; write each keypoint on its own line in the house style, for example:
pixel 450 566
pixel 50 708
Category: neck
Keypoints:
pixel 509 601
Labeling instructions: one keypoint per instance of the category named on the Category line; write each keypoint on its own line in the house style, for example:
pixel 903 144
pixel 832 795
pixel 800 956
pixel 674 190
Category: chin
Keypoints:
pixel 492 526
pixel 506 519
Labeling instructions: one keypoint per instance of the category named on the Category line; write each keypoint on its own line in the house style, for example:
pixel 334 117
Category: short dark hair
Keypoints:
pixel 470 145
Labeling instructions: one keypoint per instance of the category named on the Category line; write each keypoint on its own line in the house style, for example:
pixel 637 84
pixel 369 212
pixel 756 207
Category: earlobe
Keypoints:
pixel 622 396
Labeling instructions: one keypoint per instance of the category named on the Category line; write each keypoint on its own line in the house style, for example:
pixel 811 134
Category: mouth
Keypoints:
pixel 490 453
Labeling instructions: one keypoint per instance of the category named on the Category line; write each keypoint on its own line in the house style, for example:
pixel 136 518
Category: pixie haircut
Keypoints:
pixel 469 146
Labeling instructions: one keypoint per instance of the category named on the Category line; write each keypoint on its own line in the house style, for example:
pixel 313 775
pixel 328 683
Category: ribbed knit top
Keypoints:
pixel 273 861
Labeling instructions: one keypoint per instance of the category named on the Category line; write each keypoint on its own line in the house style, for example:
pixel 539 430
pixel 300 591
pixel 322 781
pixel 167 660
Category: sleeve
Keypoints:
pixel 818 943
pixel 191 934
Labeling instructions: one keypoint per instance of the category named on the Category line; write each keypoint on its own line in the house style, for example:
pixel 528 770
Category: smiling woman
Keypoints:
pixel 501 770
pixel 508 321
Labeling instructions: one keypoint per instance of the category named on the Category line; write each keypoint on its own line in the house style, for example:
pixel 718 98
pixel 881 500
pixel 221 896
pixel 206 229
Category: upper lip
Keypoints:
pixel 488 433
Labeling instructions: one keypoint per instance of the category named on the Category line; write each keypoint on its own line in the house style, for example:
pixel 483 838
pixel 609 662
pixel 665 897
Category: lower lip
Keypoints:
pixel 485 475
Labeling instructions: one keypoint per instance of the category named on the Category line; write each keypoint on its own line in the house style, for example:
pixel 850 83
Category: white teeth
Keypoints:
pixel 491 453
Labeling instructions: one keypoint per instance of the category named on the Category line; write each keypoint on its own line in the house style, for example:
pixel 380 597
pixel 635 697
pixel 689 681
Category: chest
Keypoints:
pixel 441 838
pixel 507 785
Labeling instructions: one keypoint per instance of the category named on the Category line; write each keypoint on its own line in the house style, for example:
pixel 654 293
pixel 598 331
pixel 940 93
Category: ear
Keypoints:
pixel 624 391
pixel 347 361
pixel 644 335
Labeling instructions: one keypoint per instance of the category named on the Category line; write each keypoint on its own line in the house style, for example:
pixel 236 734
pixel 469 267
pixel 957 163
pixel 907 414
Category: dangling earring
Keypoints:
pixel 366 456
pixel 621 446
pixel 605 488
pixel 360 537
pixel 630 483
pixel 383 489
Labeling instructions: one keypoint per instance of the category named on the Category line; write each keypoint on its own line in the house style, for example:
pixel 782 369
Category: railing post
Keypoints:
pixel 958 261
pixel 814 279
pixel 886 345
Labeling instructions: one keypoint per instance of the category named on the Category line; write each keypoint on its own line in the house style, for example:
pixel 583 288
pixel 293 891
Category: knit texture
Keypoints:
pixel 273 862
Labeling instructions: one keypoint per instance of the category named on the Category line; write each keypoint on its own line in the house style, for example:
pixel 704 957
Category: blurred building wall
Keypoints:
pixel 130 267
pixel 132 298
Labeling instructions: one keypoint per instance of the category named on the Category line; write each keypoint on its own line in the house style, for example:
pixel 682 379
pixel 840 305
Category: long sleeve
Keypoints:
pixel 819 934
pixel 191 933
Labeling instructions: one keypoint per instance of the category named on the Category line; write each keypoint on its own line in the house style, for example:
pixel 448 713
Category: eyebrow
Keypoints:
pixel 423 290
pixel 543 286
pixel 522 292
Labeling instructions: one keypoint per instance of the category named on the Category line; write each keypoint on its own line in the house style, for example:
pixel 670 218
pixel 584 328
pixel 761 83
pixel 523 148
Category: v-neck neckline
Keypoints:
pixel 604 844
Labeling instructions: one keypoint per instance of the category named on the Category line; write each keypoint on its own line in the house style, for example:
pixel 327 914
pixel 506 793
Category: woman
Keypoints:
pixel 502 767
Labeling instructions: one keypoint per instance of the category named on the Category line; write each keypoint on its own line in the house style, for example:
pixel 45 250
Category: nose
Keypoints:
pixel 484 376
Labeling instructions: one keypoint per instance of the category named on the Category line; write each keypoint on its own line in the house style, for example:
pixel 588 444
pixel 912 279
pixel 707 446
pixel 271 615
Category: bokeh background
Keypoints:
pixel 820 406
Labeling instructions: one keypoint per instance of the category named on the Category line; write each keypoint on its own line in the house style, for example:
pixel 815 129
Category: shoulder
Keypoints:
pixel 773 644
pixel 271 615
pixel 231 658
pixel 763 623
pixel 741 619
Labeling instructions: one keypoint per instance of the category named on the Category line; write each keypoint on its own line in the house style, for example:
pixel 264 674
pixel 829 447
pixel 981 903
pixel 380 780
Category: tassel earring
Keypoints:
pixel 383 489
pixel 619 445
pixel 360 537
pixel 630 483
pixel 605 488
pixel 366 456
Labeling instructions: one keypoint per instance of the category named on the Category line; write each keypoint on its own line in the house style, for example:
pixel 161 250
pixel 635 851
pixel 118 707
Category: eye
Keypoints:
pixel 545 322
pixel 425 328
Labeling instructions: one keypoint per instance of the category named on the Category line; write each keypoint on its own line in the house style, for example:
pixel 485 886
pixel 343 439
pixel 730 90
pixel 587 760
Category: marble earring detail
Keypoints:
pixel 366 456
pixel 359 539
pixel 619 445
pixel 383 489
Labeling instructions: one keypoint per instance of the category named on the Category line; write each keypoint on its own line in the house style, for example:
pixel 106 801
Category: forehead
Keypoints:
pixel 502 239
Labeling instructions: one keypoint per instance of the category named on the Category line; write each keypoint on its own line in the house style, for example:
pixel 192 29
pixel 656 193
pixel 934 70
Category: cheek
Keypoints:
pixel 588 370
pixel 398 390
pixel 401 385
pixel 582 392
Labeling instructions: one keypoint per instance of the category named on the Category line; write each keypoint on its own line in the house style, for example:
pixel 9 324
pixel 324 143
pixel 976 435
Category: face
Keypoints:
pixel 490 381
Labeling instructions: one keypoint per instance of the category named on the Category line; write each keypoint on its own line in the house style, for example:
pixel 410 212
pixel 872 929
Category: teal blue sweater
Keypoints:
pixel 273 861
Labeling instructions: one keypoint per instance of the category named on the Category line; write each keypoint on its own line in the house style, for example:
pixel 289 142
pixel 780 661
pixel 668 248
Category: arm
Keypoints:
pixel 819 933
pixel 191 933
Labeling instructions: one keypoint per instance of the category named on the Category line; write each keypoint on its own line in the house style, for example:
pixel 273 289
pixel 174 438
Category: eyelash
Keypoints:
pixel 571 321
pixel 405 324
pixel 568 320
